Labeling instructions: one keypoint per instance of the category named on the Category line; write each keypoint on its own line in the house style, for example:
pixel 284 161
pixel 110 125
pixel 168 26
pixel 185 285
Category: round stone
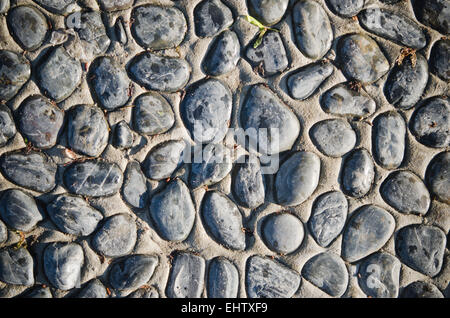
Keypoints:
pixel 247 183
pixel 268 12
pixel 439 59
pixel 223 55
pixel 134 189
pixel 282 232
pixel 304 82
pixel 123 136
pixel 7 125
pixel 164 159
pixel 333 137
pixel 345 8
pixel 433 13
pixel 358 173
pixel 223 279
pixel 186 278
pixel 15 71
pixel 16 266
pixel 93 289
pixel 438 176
pixel 61 7
pixel 211 17
pixel 19 210
pixel 3 233
pixel 115 5
pixel 132 271
pixel 420 289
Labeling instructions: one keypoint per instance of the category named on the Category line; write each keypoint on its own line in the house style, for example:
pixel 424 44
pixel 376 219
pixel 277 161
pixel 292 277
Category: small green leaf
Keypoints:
pixel 253 21
pixel 260 38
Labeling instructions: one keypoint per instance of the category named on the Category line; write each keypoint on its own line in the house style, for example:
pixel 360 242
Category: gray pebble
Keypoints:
pixel 282 232
pixel 438 176
pixel 132 271
pixel 304 82
pixel 144 292
pixel 333 137
pixel 247 184
pixel 134 189
pixel 420 289
pixel 211 17
pixel 61 7
pixel 268 12
pixel 186 278
pixel 3 232
pixel 16 266
pixel 7 125
pixel 39 292
pixel 439 59
pixel 93 289
pixel 115 5
pixel 223 55
pixel 164 159
pixel 123 136
pixel 119 30
pixel 433 13
pixel 358 173
pixel 4 6
pixel 345 8
pixel 223 279
pixel 15 71
pixel 19 210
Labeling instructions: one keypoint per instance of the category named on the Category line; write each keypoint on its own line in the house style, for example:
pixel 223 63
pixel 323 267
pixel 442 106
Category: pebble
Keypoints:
pixel 16 266
pixel 264 112
pixel 186 278
pixel 438 176
pixel 269 58
pixel 59 74
pixel 123 136
pixel 211 17
pixel 223 54
pixel 134 189
pixel 328 216
pixel 39 292
pixel 119 30
pixel 406 83
pixel 152 114
pixel 40 121
pixel 439 59
pixel 433 13
pixel 360 58
pixel 282 232
pixel 3 233
pixel 115 5
pixel 160 73
pixel 343 101
pixel 358 173
pixel 28 26
pixel 297 178
pixel 73 215
pixel 206 110
pixel 345 8
pixel 61 7
pixel 223 220
pixel 379 276
pixel 173 211
pixel 304 82
pixel 430 123
pixel 267 278
pixel 164 159
pixel 333 137
pixel 144 292
pixel 420 289
pixel 368 230
pixel 63 264
pixel 87 130
pixel 19 210
pixel 15 71
pixel 116 237
pixel 223 279
pixel 406 192
pixel 328 272
pixel 4 6
pixel 132 271
pixel 93 289
pixel 157 27
pixel 247 183
pixel 268 12
pixel 422 248
pixel 7 125
pixel 32 170
pixel 389 139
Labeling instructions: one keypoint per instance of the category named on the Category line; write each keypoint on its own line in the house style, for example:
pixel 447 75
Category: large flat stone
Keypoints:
pixel 164 159
pixel 223 279
pixel 16 267
pixel 186 278
pixel 132 271
pixel 19 210
pixel 333 137
pixel 223 54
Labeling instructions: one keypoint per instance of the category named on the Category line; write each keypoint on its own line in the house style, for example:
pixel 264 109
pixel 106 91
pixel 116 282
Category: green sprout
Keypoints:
pixel 262 30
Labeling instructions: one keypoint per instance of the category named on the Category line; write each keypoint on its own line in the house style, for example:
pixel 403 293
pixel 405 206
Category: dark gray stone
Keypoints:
pixel 16 266
pixel 123 136
pixel 93 289
pixel 368 229
pixel 38 292
pixel 247 184
pixel 223 279
pixel 134 189
pixel 328 216
pixel 3 233
pixel 164 159
pixel 115 5
pixel 7 126
pixel 304 82
pixel 61 7
pixel 4 6
pixel 132 271
pixel 73 215
pixel 345 8
pixel 333 137
pixel 211 17
pixel 420 289
pixel 173 211
pixel 268 12
pixel 186 278
pixel 223 220
pixel 93 178
pixel 438 176
pixel 119 30
pixel 433 13
pixel 422 248
pixel 267 278
pixel 282 232
pixel 223 54
pixel 328 272
pixel 439 59
pixel 19 210
pixel 152 114
pixel 297 178
pixel 358 173
pixel 15 71
pixel 144 292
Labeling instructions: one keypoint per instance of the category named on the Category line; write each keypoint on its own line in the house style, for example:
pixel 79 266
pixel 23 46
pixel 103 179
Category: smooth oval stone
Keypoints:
pixel 186 278
pixel 63 263
pixel 134 189
pixel 333 137
pixel 368 229
pixel 110 83
pixel 31 170
pixel 39 292
pixel 144 292
pixel 3 233
pixel 360 58
pixel 61 7
pixel 406 83
pixel 132 271
pixel 28 26
pixel 210 165
pixel 123 136
pixel 328 216
pixel 59 74
pixel 223 55
pixel 93 289
pixel 160 73
pixel 270 55
pixel 267 278
pixel 422 248
pixel 223 279
pixel 223 220
pixel 392 26
pixel 116 237
pixel 438 176
pixel 268 12
pixel 40 121
pixel 157 27
pixel 312 29
pixel 73 215
pixel 247 183
pixel 343 101
pixel 152 114
pixel 164 159
pixel 16 266
pixel 328 272
pixel 389 139
pixel 206 110
pixel 115 5
pixel 15 71
pixel 4 6
pixel 173 211
pixel 358 173
pixel 345 8
pixel 19 210
pixel 297 178
pixel 379 276
pixel 430 124
pixel 270 124
pixel 433 13
pixel 420 289
pixel 7 126
pixel 406 192
pixel 211 17
pixel 439 59
pixel 282 232
pixel 304 82
pixel 93 178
